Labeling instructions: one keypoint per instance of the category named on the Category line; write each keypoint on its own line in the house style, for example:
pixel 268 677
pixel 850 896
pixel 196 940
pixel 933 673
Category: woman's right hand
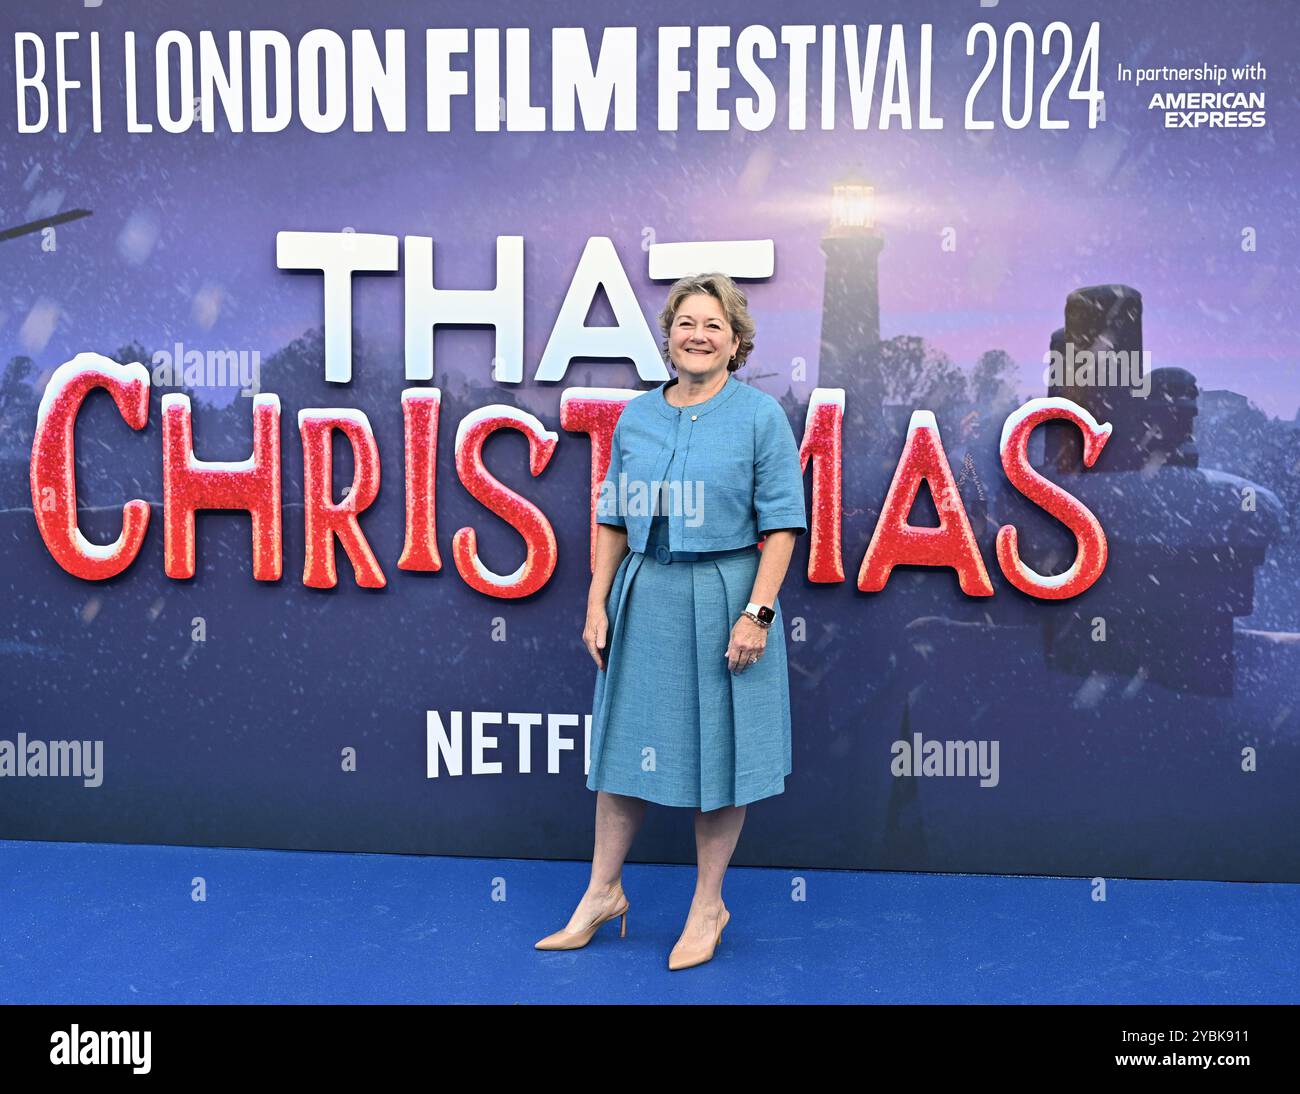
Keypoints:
pixel 594 634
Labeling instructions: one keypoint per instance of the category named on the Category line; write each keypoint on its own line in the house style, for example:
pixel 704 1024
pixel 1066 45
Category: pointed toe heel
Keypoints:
pixel 575 940
pixel 685 956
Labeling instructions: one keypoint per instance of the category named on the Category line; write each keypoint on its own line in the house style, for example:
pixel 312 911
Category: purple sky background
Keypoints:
pixel 1037 213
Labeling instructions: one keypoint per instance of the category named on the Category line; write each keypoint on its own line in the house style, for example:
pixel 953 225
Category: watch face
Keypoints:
pixel 766 614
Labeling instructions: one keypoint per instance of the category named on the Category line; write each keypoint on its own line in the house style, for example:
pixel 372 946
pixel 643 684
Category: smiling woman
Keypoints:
pixel 309 79
pixel 691 706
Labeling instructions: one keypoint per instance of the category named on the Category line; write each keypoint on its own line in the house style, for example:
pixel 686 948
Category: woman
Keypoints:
pixel 692 701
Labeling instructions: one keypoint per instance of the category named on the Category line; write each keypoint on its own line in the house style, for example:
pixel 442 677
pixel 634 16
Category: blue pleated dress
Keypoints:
pixel 670 723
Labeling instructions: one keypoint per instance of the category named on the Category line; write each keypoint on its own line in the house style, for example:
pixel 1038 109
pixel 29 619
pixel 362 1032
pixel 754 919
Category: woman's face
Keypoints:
pixel 700 341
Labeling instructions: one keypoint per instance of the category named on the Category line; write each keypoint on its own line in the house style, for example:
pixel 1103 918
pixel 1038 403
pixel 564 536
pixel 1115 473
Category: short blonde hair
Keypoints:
pixel 735 306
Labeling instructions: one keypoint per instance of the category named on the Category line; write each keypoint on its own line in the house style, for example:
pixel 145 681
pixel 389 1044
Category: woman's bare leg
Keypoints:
pixel 618 818
pixel 716 835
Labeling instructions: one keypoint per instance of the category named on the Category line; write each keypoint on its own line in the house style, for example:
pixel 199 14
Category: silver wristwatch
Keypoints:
pixel 760 614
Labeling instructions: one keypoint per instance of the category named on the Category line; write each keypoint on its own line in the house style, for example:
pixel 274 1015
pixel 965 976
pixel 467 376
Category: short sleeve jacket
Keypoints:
pixel 738 476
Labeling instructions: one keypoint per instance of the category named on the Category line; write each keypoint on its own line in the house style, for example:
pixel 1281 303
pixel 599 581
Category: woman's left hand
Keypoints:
pixel 748 641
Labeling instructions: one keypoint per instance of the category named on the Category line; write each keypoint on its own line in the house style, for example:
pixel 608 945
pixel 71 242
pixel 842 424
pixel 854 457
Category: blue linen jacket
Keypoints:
pixel 738 478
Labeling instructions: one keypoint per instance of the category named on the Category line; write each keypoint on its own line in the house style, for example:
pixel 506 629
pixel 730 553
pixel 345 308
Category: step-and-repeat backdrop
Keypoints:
pixel 315 325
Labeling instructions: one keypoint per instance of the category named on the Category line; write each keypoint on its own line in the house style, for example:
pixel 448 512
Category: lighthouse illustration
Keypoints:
pixel 850 334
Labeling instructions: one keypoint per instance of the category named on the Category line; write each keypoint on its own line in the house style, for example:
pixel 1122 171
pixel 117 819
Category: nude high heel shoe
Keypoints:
pixel 575 940
pixel 687 955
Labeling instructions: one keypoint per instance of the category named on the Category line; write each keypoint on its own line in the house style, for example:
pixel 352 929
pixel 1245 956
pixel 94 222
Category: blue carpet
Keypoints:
pixel 110 923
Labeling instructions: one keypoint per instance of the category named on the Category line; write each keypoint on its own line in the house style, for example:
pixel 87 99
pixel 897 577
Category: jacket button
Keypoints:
pixel 694 416
pixel 662 553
